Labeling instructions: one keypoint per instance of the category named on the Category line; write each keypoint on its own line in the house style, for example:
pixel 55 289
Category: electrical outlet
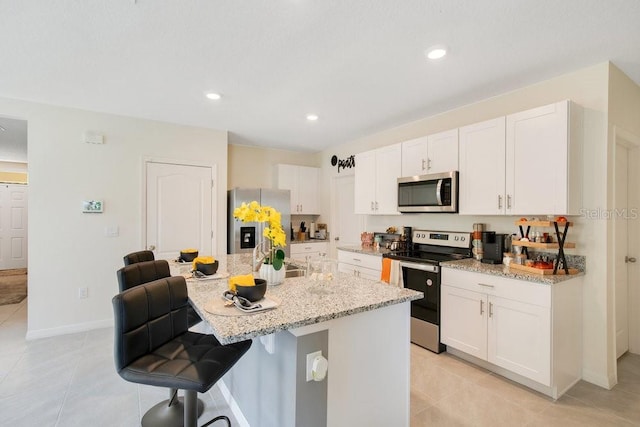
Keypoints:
pixel 310 358
pixel 83 293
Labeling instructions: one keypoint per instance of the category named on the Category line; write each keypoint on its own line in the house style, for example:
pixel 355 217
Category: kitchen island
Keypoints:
pixel 360 326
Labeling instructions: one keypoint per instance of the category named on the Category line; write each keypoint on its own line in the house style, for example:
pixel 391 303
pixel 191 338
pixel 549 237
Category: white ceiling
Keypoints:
pixel 358 64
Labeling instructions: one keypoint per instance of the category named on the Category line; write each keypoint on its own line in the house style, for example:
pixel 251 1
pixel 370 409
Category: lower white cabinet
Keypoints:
pixel 360 265
pixel 300 251
pixel 508 323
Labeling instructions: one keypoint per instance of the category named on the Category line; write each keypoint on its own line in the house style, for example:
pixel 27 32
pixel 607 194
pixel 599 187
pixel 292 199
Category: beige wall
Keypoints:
pixel 69 250
pixel 587 87
pixel 254 167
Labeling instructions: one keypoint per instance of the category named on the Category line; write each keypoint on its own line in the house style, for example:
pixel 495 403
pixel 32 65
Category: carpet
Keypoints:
pixel 13 286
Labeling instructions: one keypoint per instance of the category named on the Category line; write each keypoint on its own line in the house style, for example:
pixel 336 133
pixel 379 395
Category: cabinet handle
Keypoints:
pixel 301 210
pixel 357 260
pixel 508 201
pixel 490 309
pixel 423 168
pixel 481 307
pixel 486 286
pixel 428 164
pixel 376 205
pixel 372 206
pixel 499 201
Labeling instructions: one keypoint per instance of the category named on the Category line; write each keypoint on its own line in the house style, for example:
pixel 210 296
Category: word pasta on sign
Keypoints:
pixel 348 163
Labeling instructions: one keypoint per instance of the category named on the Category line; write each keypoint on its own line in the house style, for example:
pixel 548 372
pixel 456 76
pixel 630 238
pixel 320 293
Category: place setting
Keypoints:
pixel 245 296
pixel 202 268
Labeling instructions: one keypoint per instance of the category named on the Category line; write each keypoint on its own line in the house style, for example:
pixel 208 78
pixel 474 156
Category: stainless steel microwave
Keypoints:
pixel 428 193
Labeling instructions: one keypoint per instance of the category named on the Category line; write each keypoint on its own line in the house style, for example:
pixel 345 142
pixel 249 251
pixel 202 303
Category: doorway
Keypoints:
pixel 347 225
pixel 180 209
pixel 626 203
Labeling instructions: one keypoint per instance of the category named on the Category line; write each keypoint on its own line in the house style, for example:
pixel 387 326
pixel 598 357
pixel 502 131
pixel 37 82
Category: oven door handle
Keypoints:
pixel 439 192
pixel 423 267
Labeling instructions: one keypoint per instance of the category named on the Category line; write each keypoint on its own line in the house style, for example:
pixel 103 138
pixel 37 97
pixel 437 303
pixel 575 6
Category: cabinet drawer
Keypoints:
pixel 372 262
pixel 311 248
pixel 517 290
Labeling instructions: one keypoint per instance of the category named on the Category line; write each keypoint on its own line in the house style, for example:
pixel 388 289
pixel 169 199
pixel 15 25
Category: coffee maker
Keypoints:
pixel 493 247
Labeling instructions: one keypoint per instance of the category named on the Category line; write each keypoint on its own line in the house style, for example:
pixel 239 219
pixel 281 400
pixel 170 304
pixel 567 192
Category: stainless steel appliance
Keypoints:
pixel 421 271
pixel 428 193
pixel 242 237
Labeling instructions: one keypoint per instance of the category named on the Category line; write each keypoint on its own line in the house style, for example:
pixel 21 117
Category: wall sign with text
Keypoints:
pixel 348 163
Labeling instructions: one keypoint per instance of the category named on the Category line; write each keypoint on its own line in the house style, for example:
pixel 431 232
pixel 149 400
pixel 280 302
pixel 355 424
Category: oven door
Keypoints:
pixel 424 278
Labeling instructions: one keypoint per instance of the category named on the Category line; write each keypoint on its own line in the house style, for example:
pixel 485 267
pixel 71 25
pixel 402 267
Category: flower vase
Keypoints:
pixel 271 275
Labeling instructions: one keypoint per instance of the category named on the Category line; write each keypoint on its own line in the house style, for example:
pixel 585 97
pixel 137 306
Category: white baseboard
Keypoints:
pixel 237 413
pixel 605 381
pixel 68 329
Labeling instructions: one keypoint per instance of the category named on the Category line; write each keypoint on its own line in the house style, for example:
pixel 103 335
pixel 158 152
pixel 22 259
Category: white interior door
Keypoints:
pixel 13 226
pixel 621 250
pixel 347 225
pixel 179 210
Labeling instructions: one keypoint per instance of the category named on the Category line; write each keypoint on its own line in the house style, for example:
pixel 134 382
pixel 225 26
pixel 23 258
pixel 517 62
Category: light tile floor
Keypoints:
pixel 447 391
pixel 71 381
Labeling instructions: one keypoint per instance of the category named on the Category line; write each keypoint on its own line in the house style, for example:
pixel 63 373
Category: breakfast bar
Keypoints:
pixel 360 326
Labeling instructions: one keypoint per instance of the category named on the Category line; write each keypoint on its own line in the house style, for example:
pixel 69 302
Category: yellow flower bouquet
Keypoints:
pixel 274 233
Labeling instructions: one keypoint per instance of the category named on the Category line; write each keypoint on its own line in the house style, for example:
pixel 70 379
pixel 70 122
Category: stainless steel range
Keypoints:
pixel 421 271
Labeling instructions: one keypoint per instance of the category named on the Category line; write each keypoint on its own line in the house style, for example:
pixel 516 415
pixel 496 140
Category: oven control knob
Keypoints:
pixel 429 282
pixel 463 238
pixel 456 238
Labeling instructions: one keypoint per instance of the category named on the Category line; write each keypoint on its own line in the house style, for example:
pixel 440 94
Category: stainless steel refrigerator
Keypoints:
pixel 242 237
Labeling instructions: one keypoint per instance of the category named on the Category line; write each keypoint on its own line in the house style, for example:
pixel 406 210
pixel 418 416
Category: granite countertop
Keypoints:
pixel 363 250
pixel 302 302
pixel 504 271
pixel 299 242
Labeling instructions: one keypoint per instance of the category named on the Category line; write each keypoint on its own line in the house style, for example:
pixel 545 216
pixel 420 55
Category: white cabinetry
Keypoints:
pixel 544 160
pixel 430 154
pixel 508 323
pixel 360 265
pixel 523 164
pixel 299 251
pixel 482 153
pixel 376 180
pixel 303 183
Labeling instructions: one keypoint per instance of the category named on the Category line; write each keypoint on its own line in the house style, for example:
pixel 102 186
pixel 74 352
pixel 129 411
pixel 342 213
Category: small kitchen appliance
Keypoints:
pixel 420 265
pixel 492 247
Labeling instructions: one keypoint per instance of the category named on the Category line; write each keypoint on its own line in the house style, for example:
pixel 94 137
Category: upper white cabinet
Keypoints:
pixel 523 164
pixel 303 183
pixel 430 154
pixel 482 151
pixel 376 180
pixel 544 160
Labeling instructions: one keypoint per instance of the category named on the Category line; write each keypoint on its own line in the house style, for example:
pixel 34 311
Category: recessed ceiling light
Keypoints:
pixel 312 117
pixel 436 52
pixel 213 95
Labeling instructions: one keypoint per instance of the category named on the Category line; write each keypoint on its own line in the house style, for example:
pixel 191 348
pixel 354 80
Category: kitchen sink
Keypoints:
pixel 294 270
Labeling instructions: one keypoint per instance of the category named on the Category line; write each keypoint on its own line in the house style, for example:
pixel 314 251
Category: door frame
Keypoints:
pixel 632 143
pixel 335 178
pixel 176 162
